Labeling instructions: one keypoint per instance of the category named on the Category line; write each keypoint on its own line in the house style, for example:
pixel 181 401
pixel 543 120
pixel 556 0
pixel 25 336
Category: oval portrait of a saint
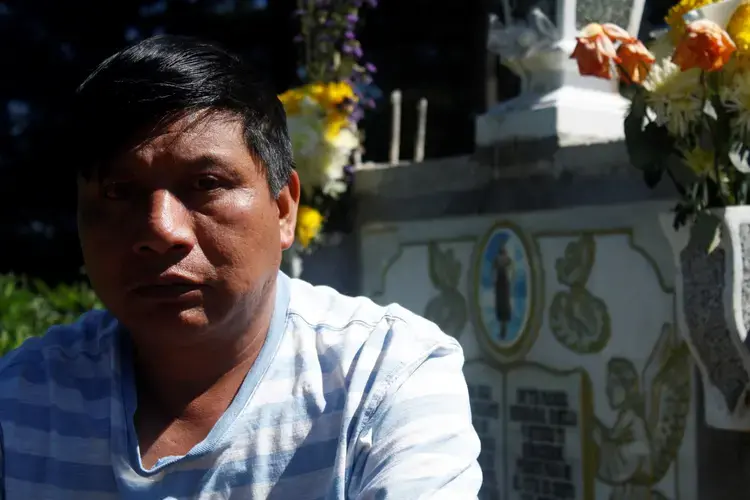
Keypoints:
pixel 504 292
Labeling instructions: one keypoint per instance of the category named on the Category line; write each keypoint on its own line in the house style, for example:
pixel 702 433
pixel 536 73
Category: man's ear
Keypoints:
pixel 287 202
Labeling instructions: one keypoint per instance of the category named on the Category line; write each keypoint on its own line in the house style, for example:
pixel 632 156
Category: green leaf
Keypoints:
pixel 649 147
pixel 634 137
pixel 683 175
pixel 574 267
pixel 706 231
pixel 580 321
pixel 444 267
pixel 722 129
pixel 682 212
pixel 31 307
pixel 652 176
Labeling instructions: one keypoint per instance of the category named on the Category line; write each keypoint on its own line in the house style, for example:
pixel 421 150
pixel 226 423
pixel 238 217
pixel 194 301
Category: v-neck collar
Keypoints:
pixel 125 440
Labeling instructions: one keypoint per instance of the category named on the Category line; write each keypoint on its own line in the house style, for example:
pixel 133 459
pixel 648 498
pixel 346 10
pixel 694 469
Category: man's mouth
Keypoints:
pixel 169 288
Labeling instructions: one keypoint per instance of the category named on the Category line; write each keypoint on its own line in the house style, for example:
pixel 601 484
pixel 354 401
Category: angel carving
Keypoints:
pixel 519 42
pixel 635 453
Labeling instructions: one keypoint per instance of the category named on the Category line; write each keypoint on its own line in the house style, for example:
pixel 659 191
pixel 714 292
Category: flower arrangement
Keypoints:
pixel 690 114
pixel 323 113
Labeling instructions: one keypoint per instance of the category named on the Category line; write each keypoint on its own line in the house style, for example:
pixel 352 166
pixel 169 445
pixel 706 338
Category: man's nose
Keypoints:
pixel 168 228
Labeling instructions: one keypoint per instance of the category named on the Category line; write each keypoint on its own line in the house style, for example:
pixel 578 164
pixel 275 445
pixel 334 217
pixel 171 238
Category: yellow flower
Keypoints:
pixel 675 96
pixel 329 96
pixel 675 18
pixel 309 224
pixel 291 100
pixel 323 138
pixel 700 161
pixel 735 95
pixel 338 92
pixel 335 122
pixel 739 29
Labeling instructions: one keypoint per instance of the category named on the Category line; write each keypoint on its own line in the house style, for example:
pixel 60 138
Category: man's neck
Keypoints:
pixel 180 381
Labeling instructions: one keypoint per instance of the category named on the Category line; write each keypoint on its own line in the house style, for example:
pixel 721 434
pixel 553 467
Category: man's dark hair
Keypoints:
pixel 161 79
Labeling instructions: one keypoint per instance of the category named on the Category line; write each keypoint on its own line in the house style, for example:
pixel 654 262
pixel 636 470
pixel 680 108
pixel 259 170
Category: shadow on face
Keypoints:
pixel 181 235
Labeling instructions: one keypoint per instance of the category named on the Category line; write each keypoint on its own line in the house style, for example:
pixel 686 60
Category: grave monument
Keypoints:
pixel 542 253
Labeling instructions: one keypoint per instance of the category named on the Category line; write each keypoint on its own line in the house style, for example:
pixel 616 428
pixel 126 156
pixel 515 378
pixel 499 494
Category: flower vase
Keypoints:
pixel 712 295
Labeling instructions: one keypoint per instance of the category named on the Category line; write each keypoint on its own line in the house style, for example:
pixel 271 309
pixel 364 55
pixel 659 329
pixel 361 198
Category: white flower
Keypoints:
pixel 320 162
pixel 675 96
pixel 661 47
pixel 340 150
pixel 736 98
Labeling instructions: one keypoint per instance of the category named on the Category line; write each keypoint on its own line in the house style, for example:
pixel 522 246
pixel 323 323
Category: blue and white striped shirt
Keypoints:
pixel 347 400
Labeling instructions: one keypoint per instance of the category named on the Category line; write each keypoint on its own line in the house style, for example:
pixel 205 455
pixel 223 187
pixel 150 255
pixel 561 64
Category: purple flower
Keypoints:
pixel 334 29
pixel 353 48
pixel 298 12
pixel 357 114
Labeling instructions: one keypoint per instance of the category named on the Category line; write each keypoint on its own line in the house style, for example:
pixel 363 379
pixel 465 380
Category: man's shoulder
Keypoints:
pixel 79 345
pixel 344 322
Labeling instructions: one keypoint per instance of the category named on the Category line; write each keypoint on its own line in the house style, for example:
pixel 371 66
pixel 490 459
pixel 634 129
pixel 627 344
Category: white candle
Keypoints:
pixel 421 130
pixel 395 152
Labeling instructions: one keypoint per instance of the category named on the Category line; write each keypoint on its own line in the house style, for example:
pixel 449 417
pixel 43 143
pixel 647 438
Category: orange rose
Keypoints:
pixel 615 33
pixel 595 50
pixel 705 45
pixel 635 61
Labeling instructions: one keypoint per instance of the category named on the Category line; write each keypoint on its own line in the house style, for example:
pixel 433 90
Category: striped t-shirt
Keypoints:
pixel 347 400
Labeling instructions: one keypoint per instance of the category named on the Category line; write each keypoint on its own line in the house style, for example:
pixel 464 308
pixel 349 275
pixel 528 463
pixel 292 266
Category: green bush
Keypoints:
pixel 30 307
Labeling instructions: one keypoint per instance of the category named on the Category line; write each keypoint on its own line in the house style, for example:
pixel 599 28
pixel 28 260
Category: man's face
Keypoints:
pixel 181 236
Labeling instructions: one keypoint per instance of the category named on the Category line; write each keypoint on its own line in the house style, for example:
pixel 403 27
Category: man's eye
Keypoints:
pixel 206 183
pixel 116 190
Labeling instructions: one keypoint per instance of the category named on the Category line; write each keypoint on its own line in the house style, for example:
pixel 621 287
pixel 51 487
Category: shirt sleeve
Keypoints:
pixel 421 443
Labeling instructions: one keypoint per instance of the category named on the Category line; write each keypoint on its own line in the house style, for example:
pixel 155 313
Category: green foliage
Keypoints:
pixel 657 153
pixel 30 307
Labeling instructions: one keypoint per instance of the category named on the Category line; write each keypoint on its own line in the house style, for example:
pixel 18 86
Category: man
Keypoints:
pixel 502 266
pixel 212 375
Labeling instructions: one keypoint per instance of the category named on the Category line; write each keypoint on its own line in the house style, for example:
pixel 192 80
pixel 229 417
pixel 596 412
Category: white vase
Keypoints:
pixel 713 313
